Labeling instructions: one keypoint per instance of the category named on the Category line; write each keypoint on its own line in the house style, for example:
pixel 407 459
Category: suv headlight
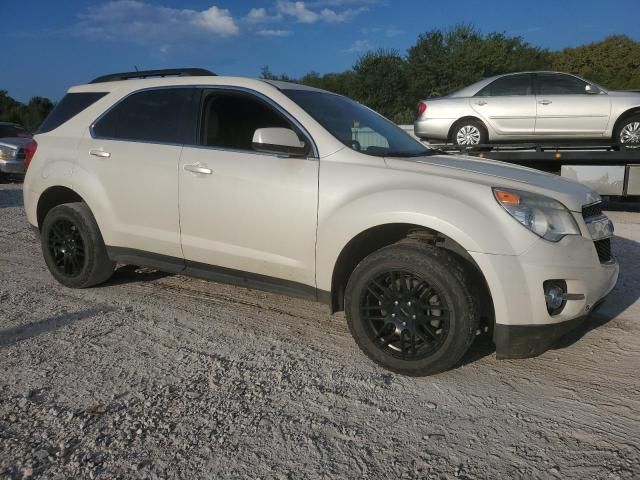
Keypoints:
pixel 544 216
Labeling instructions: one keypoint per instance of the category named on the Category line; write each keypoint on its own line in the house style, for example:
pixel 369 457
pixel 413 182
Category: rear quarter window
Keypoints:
pixel 67 108
pixel 165 115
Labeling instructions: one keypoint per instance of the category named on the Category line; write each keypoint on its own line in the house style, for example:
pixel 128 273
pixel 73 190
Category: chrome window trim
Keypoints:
pixel 232 88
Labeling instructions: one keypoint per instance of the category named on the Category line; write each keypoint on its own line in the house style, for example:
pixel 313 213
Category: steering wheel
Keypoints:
pixel 355 145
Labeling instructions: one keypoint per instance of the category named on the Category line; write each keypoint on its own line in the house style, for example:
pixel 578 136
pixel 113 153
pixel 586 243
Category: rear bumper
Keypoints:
pixel 433 128
pixel 12 167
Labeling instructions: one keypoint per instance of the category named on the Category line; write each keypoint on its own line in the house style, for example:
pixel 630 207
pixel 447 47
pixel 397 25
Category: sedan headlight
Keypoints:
pixel 544 216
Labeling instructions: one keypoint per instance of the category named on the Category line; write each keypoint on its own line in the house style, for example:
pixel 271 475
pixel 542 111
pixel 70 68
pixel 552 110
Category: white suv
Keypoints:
pixel 283 187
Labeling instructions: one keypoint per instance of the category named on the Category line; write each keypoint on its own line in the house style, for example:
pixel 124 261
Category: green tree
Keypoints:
pixel 30 116
pixel 441 62
pixel 381 83
pixel 613 62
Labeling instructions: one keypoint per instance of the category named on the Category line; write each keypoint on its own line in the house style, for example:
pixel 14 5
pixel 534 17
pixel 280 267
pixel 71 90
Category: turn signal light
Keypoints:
pixel 507 198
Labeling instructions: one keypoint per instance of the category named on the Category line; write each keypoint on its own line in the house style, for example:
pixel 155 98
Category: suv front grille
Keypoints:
pixel 603 247
pixel 594 210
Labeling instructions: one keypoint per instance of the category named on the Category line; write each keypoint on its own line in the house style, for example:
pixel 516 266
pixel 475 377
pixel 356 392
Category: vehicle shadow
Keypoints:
pixel 10 198
pixel 135 274
pixel 11 336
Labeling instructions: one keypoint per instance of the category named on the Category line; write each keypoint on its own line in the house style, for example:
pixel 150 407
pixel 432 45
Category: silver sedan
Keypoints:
pixel 531 106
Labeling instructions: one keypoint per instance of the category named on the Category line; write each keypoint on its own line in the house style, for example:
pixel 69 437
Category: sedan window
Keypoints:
pixel 509 85
pixel 556 84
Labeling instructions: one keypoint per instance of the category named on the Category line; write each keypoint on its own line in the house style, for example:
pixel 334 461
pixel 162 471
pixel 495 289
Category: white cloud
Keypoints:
pixel 257 15
pixel 297 10
pixel 215 20
pixel 388 32
pixel 260 15
pixel 303 14
pixel 147 24
pixel 359 46
pixel 274 33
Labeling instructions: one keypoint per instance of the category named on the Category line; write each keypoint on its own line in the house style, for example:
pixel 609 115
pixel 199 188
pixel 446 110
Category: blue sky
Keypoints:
pixel 50 45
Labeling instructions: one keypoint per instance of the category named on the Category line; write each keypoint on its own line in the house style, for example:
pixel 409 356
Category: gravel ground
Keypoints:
pixel 158 376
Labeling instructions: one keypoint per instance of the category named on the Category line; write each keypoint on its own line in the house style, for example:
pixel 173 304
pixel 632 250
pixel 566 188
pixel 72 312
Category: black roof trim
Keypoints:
pixel 169 72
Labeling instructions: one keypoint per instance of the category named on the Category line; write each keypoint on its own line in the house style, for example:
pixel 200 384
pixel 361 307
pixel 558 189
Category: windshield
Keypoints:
pixel 357 126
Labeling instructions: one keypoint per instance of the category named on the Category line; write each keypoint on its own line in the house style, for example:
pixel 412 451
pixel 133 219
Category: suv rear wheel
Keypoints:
pixel 410 310
pixel 73 248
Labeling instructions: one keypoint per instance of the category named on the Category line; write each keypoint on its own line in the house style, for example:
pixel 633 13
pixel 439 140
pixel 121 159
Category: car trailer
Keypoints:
pixel 610 170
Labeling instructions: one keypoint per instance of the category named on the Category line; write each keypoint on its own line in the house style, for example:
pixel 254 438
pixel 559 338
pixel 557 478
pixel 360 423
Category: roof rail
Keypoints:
pixel 169 72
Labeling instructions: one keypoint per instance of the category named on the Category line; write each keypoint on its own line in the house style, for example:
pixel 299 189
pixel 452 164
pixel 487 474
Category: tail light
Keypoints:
pixel 422 107
pixel 29 152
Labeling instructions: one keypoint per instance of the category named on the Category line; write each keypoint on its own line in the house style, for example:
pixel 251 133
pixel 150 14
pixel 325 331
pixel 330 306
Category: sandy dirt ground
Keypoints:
pixel 159 376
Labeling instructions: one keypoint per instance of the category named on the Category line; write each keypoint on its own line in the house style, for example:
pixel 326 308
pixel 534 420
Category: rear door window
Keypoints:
pixel 509 85
pixel 67 108
pixel 166 115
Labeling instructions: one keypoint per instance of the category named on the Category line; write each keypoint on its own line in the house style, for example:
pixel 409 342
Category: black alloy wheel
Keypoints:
pixel 406 316
pixel 66 248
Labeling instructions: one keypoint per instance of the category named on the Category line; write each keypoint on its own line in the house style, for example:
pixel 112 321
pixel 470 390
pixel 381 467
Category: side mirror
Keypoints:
pixel 281 141
pixel 591 90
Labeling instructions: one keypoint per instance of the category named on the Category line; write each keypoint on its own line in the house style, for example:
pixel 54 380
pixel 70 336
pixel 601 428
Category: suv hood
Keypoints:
pixel 500 174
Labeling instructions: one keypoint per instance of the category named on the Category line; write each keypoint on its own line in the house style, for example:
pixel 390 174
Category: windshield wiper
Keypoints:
pixel 409 154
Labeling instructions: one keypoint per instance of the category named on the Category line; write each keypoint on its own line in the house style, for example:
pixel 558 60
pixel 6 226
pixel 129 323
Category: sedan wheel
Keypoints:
pixel 630 134
pixel 468 135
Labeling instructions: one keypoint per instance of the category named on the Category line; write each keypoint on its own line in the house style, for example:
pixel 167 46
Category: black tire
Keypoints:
pixel 482 130
pixel 73 247
pixel 617 140
pixel 441 273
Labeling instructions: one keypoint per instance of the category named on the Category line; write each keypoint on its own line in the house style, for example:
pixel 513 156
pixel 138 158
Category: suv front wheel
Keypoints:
pixel 410 309
pixel 73 248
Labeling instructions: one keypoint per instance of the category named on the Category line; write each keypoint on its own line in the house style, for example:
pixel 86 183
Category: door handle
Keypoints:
pixel 100 153
pixel 545 102
pixel 481 102
pixel 197 168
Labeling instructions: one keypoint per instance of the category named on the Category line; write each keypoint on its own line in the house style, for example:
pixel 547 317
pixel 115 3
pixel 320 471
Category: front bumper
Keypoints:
pixel 525 341
pixel 523 326
pixel 13 167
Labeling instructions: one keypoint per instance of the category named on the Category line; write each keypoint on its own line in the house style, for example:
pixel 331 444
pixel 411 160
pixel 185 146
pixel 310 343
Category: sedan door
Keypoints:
pixel 508 105
pixel 565 108
pixel 243 210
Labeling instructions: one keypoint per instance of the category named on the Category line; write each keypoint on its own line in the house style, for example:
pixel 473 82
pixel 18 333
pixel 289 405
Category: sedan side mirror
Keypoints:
pixel 590 89
pixel 281 141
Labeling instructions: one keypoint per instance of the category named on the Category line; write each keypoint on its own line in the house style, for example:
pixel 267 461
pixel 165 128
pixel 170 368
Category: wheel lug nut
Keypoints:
pixel 404 324
pixel 408 304
pixel 413 317
pixel 396 302
pixel 393 315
